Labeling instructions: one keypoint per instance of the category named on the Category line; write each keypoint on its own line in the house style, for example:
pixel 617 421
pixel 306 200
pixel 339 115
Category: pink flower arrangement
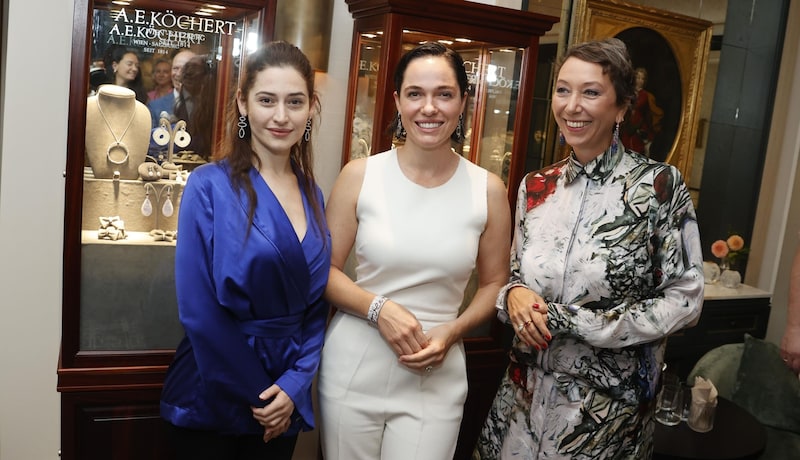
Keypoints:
pixel 728 249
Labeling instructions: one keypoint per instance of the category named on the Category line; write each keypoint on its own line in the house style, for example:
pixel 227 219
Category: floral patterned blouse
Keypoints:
pixel 613 247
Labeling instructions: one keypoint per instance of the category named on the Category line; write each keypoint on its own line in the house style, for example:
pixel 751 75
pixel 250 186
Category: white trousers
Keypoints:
pixel 372 407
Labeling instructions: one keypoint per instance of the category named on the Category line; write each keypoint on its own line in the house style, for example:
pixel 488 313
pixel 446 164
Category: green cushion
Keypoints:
pixel 766 388
pixel 721 366
pixel 781 445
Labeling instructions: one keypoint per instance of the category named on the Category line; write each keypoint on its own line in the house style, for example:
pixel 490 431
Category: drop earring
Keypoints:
pixel 307 133
pixel 400 131
pixel 147 206
pixel 168 209
pixel 182 138
pixel 615 138
pixel 161 135
pixel 242 124
pixel 460 128
pixel 561 139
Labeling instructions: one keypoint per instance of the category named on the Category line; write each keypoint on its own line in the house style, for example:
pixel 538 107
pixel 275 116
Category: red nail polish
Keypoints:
pixel 537 347
pixel 536 306
pixel 548 337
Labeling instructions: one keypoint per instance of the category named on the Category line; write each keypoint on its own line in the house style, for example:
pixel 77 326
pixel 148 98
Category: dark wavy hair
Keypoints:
pixel 612 55
pixel 199 82
pixel 435 49
pixel 115 53
pixel 238 152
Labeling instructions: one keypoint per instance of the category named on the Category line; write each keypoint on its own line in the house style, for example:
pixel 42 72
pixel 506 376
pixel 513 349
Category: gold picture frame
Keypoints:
pixel 676 48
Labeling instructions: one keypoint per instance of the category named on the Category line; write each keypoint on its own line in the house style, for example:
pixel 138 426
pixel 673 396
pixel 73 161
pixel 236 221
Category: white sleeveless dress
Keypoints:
pixel 418 247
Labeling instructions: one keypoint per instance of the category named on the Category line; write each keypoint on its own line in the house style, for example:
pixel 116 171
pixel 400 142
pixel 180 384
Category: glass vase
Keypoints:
pixel 711 272
pixel 730 278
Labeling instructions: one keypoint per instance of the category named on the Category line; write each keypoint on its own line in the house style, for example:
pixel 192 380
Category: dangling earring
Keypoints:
pixel 400 131
pixel 460 128
pixel 242 126
pixel 168 209
pixel 161 135
pixel 147 207
pixel 561 139
pixel 615 138
pixel 307 133
pixel 182 138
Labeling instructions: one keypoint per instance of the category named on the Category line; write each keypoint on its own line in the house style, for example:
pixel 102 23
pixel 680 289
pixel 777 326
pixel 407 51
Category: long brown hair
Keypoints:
pixel 237 150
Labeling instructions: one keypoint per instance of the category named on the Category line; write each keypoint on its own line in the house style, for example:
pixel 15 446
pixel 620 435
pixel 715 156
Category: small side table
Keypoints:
pixel 736 435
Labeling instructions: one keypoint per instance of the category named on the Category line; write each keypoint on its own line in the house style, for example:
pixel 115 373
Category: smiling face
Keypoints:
pixel 429 102
pixel 278 106
pixel 180 59
pixel 585 107
pixel 162 74
pixel 126 69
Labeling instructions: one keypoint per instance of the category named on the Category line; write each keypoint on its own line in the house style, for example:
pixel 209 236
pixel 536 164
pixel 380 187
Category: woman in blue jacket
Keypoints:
pixel 251 265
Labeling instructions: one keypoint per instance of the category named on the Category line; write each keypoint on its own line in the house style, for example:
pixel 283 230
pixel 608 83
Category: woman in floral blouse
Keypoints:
pixel 606 264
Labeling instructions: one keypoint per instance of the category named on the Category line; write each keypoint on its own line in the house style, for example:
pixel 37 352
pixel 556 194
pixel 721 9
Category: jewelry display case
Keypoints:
pixel 124 177
pixel 500 48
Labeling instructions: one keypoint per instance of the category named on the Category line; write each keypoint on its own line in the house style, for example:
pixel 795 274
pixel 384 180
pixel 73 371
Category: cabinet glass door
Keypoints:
pixel 494 74
pixel 369 51
pixel 128 160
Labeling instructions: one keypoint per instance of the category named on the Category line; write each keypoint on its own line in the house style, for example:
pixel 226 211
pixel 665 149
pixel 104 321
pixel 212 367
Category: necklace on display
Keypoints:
pixel 117 144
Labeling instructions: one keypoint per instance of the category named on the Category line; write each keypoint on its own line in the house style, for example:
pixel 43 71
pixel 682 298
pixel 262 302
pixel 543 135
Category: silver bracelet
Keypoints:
pixel 375 309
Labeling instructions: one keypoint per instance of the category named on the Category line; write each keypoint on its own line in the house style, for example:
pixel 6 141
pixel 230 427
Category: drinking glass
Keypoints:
pixel 669 406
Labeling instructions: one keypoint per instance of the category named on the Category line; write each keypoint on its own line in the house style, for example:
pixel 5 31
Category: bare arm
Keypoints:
pixel 790 344
pixel 398 326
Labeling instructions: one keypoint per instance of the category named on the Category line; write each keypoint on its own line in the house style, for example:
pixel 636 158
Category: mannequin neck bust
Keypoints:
pixel 117 132
pixel 116 98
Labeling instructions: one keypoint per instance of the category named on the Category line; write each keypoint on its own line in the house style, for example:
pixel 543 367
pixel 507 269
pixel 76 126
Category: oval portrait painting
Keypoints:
pixel 652 122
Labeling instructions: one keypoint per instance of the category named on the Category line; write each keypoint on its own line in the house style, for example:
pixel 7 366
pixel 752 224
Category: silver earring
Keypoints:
pixel 168 209
pixel 460 128
pixel 615 138
pixel 307 133
pixel 242 126
pixel 400 131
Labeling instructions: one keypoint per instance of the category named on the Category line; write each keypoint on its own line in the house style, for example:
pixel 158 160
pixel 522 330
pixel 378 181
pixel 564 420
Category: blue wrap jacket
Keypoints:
pixel 250 301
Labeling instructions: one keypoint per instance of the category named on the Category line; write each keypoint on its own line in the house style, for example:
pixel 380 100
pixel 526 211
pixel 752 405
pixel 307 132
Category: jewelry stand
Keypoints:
pixel 167 209
pixel 171 136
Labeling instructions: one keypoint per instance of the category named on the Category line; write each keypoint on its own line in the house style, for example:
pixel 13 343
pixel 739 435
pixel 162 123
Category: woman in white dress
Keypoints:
pixel 421 218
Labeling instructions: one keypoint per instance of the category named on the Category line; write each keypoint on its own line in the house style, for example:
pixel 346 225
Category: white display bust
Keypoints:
pixel 117 132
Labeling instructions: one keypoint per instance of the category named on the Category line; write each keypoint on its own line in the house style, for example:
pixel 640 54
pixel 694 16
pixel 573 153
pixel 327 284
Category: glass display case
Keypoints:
pixel 499 47
pixel 126 166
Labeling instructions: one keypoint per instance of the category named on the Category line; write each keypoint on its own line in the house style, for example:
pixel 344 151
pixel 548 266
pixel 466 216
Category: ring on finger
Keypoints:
pixel 521 327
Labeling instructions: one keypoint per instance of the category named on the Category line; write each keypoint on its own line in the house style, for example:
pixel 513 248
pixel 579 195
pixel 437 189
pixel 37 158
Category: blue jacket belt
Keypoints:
pixel 283 326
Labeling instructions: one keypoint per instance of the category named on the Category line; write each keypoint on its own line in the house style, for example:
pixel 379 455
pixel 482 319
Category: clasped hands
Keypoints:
pixel 276 415
pixel 528 313
pixel 403 332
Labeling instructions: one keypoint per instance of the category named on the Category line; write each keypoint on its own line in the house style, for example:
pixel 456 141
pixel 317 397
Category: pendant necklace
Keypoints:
pixel 117 144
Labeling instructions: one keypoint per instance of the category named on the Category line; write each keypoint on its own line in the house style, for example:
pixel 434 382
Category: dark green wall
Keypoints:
pixel 740 120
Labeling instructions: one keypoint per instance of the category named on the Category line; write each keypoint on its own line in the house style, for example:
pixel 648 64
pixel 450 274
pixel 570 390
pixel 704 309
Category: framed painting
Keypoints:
pixel 669 52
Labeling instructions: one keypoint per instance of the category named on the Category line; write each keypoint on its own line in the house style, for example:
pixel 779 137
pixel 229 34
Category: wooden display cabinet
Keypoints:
pixel 119 319
pixel 500 48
